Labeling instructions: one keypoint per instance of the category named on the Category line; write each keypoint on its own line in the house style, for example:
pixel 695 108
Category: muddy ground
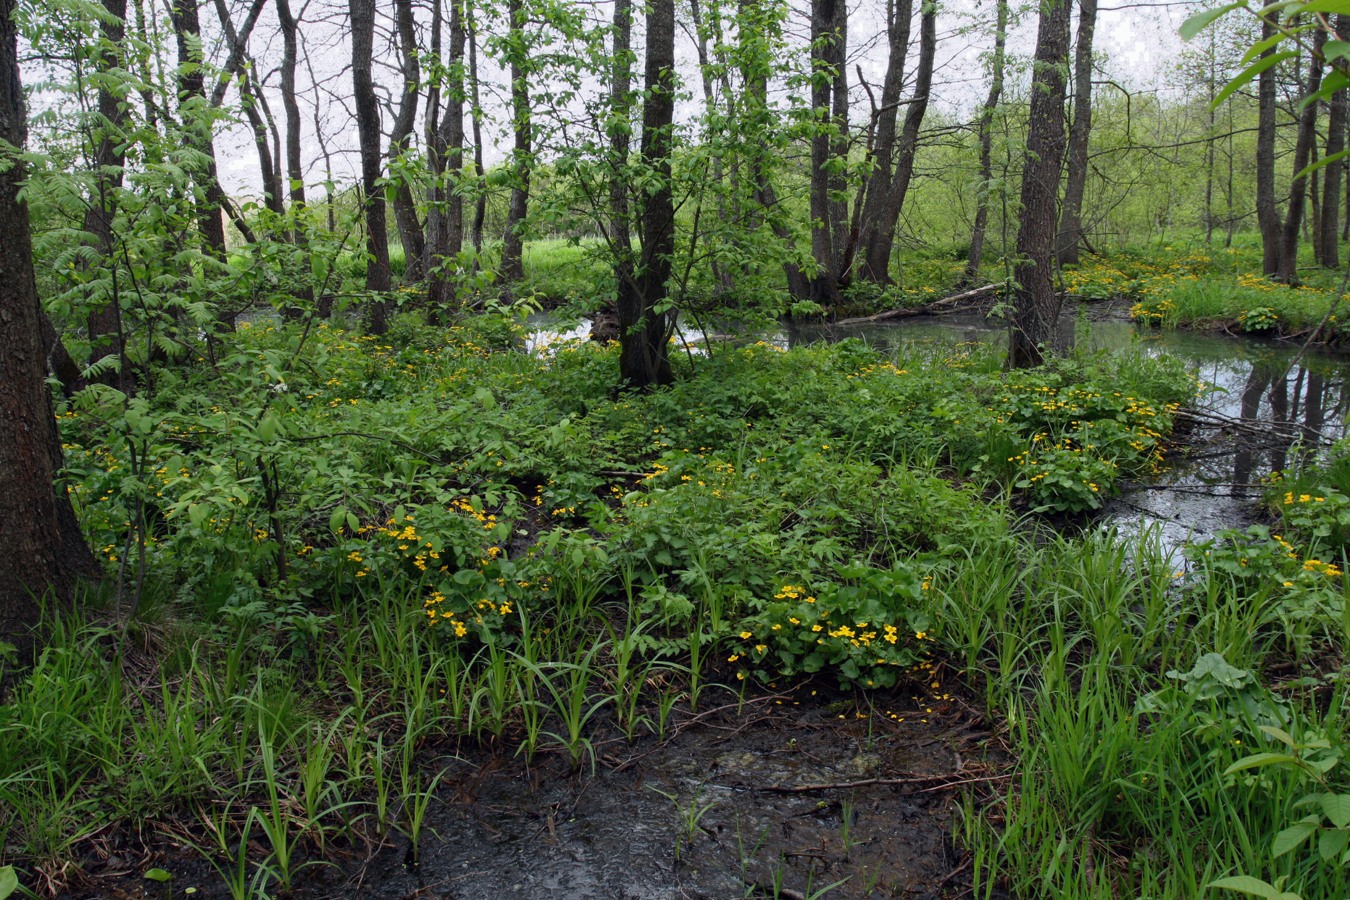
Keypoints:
pixel 801 793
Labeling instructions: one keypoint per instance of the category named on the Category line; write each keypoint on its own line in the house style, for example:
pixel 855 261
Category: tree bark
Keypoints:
pixel 1035 306
pixel 512 268
pixel 876 188
pixel 828 33
pixel 644 333
pixel 1075 184
pixel 877 247
pixel 476 119
pixel 197 122
pixel 410 232
pixel 368 129
pixel 109 160
pixel 620 133
pixel 977 232
pixel 251 100
pixel 1287 270
pixel 1267 216
pixel 445 215
pixel 44 553
pixel 1328 253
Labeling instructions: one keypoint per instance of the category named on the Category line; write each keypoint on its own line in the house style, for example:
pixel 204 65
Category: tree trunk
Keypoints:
pixel 410 233
pixel 295 170
pixel 109 159
pixel 1287 270
pixel 197 123
pixel 828 28
pixel 976 255
pixel 476 119
pixel 876 188
pixel 755 62
pixel 445 216
pixel 1267 216
pixel 44 551
pixel 512 267
pixel 644 333
pixel 1035 306
pixel 1329 250
pixel 368 130
pixel 621 112
pixel 1075 185
pixel 251 100
pixel 877 250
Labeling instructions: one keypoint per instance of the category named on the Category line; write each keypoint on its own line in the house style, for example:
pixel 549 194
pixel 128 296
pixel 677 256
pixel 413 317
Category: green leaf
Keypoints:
pixel 1326 6
pixel 9 882
pixel 1291 837
pixel 1202 20
pixel 1245 884
pixel 159 875
pixel 1282 736
pixel 1336 50
pixel 1261 47
pixel 336 519
pixel 1322 163
pixel 1337 808
pixel 1332 842
pixel 1249 73
pixel 353 523
pixel 1257 760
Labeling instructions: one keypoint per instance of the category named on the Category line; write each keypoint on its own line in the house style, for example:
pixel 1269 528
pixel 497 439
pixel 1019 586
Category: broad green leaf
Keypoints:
pixel 318 266
pixel 353 522
pixel 1322 164
pixel 335 521
pixel 1336 50
pixel 1247 74
pixel 1245 884
pixel 1201 20
pixel 1332 842
pixel 1291 837
pixel 1261 47
pixel 1278 734
pixel 1337 808
pixel 1257 760
pixel 1325 6
pixel 9 881
pixel 159 875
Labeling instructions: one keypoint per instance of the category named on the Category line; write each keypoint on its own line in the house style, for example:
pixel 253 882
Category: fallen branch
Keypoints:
pixel 921 310
pixel 940 782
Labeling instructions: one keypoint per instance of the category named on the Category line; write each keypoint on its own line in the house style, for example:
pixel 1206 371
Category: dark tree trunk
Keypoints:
pixel 104 323
pixel 876 189
pixel 445 217
pixel 251 100
pixel 192 92
pixel 368 129
pixel 877 249
pixel 1035 306
pixel 621 111
pixel 410 233
pixel 644 333
pixel 1267 216
pixel 977 232
pixel 295 170
pixel 237 41
pixel 1328 252
pixel 290 36
pixel 1075 183
pixel 512 267
pixel 44 553
pixel 756 114
pixel 1287 270
pixel 828 31
pixel 476 119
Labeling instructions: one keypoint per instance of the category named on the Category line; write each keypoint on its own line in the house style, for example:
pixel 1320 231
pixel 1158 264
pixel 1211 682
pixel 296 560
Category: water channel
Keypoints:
pixel 1269 407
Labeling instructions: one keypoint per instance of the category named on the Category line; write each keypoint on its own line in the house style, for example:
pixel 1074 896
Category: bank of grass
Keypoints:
pixel 359 556
pixel 1193 285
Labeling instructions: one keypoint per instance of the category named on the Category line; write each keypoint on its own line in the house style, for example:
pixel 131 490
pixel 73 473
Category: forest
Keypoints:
pixel 715 448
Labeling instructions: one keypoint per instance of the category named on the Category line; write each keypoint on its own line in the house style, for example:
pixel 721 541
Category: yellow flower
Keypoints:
pixel 745 635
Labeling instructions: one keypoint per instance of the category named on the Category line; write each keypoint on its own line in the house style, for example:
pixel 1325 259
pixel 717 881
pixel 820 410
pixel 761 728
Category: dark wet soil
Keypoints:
pixel 802 793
